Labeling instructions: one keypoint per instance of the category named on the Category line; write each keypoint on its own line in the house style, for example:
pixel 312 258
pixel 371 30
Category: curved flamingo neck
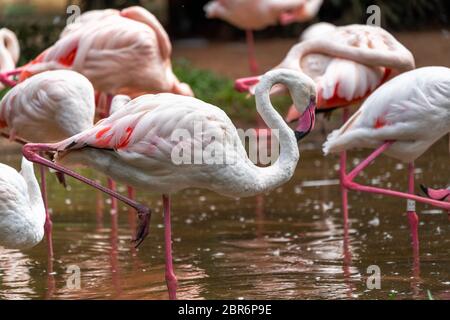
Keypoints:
pixel 282 170
pixel 400 59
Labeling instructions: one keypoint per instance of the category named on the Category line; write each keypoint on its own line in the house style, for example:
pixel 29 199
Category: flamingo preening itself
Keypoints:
pixel 347 63
pixel 401 119
pixel 48 107
pixel 22 212
pixel 120 52
pixel 9 55
pixel 253 15
pixel 138 145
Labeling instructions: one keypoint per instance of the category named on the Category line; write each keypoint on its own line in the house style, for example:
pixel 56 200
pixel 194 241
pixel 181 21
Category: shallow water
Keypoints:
pixel 288 244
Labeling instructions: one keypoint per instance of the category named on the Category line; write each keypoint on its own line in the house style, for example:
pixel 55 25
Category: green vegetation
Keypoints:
pixel 3 92
pixel 218 90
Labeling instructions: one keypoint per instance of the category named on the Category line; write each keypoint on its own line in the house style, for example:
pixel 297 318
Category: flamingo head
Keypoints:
pixel 306 120
pixel 437 194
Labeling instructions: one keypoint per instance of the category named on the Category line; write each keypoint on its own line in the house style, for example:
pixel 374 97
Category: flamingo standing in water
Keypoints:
pixel 139 144
pixel 48 107
pixel 347 64
pixel 253 15
pixel 402 119
pixel 22 212
pixel 9 52
pixel 120 52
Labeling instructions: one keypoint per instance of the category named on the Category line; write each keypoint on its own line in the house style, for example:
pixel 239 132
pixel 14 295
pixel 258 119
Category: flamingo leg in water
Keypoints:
pixel 31 152
pixel 48 221
pixel 343 170
pixel 112 186
pixel 253 65
pixel 251 52
pixel 413 221
pixel 350 184
pixel 171 279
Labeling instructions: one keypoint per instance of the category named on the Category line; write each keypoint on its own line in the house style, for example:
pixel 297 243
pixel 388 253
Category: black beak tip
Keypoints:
pixel 424 190
pixel 299 135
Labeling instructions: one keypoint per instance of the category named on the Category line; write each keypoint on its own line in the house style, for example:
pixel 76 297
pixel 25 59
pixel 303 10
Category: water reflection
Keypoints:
pixel 288 244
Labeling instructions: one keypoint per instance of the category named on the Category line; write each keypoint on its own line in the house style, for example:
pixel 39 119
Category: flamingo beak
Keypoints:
pixel 245 84
pixel 439 195
pixel 306 121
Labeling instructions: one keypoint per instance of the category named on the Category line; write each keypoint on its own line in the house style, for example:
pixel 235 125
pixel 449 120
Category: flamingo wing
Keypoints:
pixel 143 128
pixel 404 109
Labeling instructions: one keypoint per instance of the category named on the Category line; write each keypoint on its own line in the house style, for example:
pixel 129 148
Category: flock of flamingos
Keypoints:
pixel 115 67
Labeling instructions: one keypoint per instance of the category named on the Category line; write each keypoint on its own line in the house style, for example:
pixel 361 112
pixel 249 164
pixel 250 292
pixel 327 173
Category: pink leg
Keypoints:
pixel 31 152
pixel 112 186
pixel 349 184
pixel 48 221
pixel 100 207
pixel 131 192
pixel 111 183
pixel 343 170
pixel 171 279
pixel 251 52
pixel 412 215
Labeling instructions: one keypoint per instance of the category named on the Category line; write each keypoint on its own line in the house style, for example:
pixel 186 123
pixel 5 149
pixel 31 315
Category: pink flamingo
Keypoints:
pixel 138 145
pixel 396 120
pixel 9 52
pixel 120 52
pixel 252 15
pixel 48 107
pixel 347 64
pixel 126 52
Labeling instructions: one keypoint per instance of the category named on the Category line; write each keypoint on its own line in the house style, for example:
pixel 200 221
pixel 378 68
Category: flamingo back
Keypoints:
pixel 403 110
pixel 117 54
pixel 50 106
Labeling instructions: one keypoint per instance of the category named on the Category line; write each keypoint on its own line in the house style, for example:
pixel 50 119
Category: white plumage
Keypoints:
pixel 49 107
pixel 137 142
pixel 413 109
pixel 22 212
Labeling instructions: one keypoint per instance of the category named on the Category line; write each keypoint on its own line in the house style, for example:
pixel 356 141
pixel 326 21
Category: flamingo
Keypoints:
pixel 48 107
pixel 396 120
pixel 347 65
pixel 120 52
pixel 22 211
pixel 252 15
pixel 137 143
pixel 126 52
pixel 9 52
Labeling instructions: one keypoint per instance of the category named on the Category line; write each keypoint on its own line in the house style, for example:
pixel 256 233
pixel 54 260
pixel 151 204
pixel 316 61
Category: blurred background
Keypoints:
pixel 421 25
pixel 294 238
